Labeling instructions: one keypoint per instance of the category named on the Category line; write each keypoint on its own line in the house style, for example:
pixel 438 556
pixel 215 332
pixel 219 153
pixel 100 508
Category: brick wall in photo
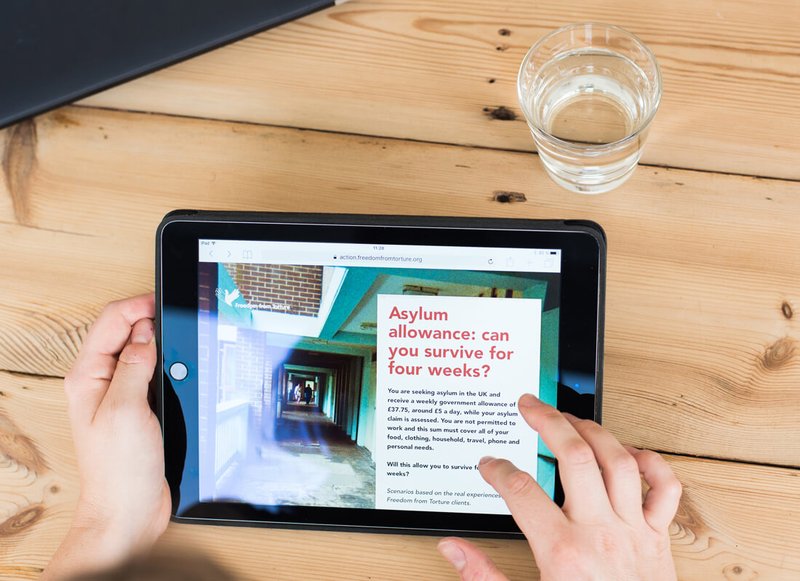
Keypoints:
pixel 205 334
pixel 207 373
pixel 280 288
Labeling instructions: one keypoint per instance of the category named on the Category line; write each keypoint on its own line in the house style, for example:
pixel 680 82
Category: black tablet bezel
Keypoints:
pixel 583 249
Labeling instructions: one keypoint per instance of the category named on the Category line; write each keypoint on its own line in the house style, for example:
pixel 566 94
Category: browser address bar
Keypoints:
pixel 387 256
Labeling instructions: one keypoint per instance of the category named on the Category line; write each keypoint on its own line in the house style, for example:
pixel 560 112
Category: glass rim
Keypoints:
pixel 573 26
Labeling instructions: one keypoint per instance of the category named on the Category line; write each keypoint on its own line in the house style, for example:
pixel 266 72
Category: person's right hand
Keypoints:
pixel 605 531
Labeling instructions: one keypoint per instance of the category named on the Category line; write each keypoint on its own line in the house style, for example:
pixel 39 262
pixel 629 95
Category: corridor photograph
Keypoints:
pixel 301 456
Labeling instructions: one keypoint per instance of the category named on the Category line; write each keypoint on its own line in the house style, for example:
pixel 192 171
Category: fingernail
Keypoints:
pixel 453 554
pixel 528 400
pixel 485 459
pixel 143 336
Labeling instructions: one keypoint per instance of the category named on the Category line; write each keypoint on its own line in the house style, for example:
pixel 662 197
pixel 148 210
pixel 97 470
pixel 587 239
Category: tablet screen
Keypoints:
pixel 371 376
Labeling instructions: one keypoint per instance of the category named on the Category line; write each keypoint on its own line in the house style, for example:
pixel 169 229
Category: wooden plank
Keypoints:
pixel 435 70
pixel 38 473
pixel 702 331
pixel 720 502
pixel 58 286
pixel 737 521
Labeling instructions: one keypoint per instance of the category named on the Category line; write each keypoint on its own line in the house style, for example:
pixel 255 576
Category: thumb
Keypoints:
pixel 135 366
pixel 471 563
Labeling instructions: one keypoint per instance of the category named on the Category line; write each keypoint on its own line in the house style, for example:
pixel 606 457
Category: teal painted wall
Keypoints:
pixel 366 423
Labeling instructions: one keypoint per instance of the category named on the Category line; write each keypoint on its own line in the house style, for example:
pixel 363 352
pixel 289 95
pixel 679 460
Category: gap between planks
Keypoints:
pixel 404 139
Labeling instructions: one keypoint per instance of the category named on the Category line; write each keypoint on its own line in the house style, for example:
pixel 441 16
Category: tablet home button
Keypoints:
pixel 178 371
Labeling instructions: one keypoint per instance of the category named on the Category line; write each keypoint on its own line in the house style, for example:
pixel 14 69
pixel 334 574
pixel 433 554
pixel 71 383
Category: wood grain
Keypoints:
pixel 736 521
pixel 439 70
pixel 702 333
pixel 38 475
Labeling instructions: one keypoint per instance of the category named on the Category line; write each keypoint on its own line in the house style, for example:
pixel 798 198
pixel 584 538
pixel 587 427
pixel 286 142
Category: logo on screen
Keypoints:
pixel 227 295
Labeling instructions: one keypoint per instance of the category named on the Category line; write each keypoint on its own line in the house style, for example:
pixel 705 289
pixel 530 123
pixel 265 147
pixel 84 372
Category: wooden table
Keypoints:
pixel 391 106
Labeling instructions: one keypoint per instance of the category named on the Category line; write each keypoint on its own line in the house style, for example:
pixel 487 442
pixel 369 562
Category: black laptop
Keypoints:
pixel 54 52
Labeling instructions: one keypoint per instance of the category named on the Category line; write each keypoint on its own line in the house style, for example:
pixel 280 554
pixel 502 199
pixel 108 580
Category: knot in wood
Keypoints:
pixel 508 197
pixel 779 353
pixel 501 113
pixel 739 572
pixel 22 520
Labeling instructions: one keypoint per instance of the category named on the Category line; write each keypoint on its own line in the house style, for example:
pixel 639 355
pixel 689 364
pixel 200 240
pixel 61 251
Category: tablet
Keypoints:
pixel 348 372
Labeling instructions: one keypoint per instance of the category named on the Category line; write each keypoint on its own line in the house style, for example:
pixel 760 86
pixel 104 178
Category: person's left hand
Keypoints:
pixel 124 503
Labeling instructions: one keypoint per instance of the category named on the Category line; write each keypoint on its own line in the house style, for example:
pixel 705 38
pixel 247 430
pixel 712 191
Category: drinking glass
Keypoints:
pixel 589 92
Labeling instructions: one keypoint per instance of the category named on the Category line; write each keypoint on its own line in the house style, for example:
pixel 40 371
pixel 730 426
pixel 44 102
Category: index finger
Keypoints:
pixel 88 380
